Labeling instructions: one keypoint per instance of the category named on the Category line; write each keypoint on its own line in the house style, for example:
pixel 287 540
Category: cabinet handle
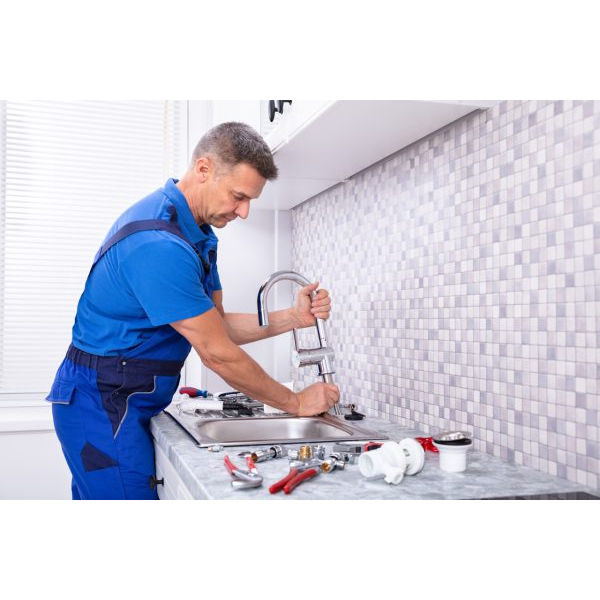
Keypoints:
pixel 155 482
pixel 276 108
pixel 281 103
pixel 272 110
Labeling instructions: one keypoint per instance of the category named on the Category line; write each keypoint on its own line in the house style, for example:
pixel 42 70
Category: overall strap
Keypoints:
pixel 149 225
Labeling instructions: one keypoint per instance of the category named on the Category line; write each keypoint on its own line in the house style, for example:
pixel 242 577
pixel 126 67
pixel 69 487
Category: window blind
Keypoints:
pixel 67 170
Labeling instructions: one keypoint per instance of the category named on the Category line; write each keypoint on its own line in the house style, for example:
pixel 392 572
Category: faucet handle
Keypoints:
pixel 314 356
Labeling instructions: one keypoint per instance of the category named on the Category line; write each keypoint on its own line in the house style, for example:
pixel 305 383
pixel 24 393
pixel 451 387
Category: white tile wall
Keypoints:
pixel 465 275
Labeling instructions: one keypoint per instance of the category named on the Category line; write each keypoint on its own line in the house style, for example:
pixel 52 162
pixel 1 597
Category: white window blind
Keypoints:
pixel 67 170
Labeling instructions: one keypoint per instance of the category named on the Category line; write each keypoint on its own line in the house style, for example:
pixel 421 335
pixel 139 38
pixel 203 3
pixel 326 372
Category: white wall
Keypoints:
pixel 32 465
pixel 249 251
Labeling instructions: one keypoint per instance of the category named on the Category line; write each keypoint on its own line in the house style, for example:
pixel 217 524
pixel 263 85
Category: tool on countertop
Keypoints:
pixel 193 392
pixel 243 478
pixel 356 448
pixel 191 402
pixel 299 473
pixel 306 467
pixel 427 443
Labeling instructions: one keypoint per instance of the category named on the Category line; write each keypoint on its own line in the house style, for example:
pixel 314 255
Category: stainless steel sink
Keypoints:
pixel 272 430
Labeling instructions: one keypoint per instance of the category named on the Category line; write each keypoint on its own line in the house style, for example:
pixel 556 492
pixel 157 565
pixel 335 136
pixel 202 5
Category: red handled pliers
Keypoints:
pixel 295 477
pixel 242 479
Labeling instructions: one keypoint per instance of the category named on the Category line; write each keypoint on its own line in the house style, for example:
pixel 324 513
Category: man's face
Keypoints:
pixel 228 193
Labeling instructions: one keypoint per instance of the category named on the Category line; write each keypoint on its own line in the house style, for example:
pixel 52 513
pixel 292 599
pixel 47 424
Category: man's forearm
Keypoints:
pixel 244 374
pixel 243 328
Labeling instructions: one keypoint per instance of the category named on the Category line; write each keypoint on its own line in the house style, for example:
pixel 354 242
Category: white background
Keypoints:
pixel 309 49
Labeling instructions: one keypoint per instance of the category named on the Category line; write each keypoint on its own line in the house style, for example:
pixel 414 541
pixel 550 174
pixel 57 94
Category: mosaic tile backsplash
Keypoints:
pixel 465 277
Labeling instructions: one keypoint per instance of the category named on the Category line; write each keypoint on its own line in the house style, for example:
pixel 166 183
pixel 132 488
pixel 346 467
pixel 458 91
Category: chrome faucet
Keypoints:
pixel 322 356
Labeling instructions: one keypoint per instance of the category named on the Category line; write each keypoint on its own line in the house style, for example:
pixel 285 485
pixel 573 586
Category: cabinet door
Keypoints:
pixel 295 116
pixel 301 112
pixel 173 487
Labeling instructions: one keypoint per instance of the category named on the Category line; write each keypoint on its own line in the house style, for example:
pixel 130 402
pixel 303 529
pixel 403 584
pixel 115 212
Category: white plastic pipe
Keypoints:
pixel 393 460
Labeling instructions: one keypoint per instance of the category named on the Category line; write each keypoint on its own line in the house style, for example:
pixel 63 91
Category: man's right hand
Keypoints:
pixel 317 398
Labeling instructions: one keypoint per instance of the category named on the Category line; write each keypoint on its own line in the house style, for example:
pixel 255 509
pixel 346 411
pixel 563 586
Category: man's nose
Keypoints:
pixel 243 209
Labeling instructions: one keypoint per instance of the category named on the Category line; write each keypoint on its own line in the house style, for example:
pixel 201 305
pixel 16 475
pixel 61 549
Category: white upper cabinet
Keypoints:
pixel 318 143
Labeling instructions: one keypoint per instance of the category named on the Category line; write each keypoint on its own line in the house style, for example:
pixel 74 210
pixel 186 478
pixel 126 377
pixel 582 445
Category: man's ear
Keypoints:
pixel 203 167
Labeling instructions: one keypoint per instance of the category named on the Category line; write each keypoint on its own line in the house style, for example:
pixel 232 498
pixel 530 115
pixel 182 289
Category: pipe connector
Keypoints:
pixel 392 461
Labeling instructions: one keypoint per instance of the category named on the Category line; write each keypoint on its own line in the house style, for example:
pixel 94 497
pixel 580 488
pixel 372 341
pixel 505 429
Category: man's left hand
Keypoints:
pixel 308 308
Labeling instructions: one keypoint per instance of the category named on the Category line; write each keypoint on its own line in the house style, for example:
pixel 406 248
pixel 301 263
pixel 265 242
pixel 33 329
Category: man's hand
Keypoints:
pixel 307 308
pixel 317 398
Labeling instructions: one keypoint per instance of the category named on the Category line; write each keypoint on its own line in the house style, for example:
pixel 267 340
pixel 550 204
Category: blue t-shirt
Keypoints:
pixel 148 279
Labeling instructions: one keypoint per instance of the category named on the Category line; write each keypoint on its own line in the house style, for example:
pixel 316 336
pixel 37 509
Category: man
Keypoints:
pixel 153 292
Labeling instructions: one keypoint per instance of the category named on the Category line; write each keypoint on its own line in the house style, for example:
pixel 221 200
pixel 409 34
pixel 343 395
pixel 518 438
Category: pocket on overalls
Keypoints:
pixel 61 392
pixel 153 401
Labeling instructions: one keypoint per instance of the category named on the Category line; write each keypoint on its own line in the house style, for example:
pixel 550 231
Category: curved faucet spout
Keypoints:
pixel 322 356
pixel 263 292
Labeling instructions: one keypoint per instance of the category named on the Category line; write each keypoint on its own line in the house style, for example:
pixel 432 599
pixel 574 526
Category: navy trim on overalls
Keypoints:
pixel 151 225
pixel 117 364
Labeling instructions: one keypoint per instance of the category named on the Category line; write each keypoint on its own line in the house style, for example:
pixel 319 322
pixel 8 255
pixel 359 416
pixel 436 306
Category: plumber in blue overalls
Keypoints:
pixel 152 293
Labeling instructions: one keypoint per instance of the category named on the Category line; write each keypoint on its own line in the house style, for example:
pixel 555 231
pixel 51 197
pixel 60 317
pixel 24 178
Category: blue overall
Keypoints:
pixel 102 405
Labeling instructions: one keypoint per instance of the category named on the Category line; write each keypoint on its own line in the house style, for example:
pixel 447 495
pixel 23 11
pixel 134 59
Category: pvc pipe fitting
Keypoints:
pixel 453 458
pixel 393 460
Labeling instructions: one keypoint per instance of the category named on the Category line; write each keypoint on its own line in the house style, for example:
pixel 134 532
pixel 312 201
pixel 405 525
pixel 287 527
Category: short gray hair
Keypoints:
pixel 233 143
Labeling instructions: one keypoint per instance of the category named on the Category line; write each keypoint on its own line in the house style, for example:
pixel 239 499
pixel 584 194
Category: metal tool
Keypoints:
pixel 355 448
pixel 299 471
pixel 308 467
pixel 193 392
pixel 242 479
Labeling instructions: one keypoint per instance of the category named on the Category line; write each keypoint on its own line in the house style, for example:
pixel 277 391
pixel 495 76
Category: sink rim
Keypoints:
pixel 194 426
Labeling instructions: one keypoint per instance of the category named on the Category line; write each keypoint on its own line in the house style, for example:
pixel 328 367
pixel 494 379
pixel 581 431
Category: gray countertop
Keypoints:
pixel 205 476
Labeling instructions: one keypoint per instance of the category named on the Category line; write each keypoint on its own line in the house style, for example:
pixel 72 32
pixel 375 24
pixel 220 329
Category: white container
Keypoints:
pixel 453 459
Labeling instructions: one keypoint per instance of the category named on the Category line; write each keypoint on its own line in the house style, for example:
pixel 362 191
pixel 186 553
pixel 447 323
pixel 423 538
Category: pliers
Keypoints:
pixel 243 479
pixel 299 472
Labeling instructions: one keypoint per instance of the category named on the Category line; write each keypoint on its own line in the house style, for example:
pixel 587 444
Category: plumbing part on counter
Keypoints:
pixel 335 461
pixel 263 454
pixel 354 416
pixel 215 448
pixel 243 479
pixel 453 447
pixel 307 452
pixel 393 460
pixel 322 357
